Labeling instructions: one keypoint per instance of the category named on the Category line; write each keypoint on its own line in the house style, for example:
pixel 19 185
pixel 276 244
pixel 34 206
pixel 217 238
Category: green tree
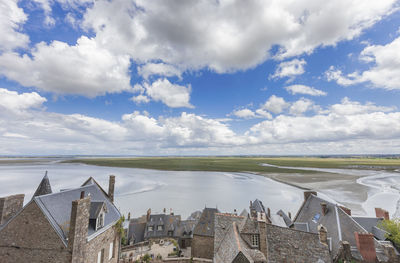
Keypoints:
pixel 393 229
pixel 120 228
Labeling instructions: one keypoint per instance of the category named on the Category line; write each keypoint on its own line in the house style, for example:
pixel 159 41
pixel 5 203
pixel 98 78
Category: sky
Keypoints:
pixel 199 77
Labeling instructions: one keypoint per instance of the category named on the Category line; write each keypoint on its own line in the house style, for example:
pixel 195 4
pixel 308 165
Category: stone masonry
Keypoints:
pixel 103 241
pixel 203 247
pixel 9 206
pixel 30 238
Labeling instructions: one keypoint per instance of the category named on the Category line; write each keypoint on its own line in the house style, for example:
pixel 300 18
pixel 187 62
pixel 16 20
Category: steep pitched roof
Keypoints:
pixel 168 223
pixel 258 206
pixel 136 231
pixel 205 226
pixel 248 226
pixel 57 208
pixel 44 187
pixel 95 209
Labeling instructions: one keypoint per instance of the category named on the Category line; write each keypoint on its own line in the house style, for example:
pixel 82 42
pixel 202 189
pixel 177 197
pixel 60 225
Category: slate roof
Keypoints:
pixel 185 228
pixel 248 226
pixel 339 224
pixel 168 223
pixel 136 231
pixel 57 208
pixel 258 206
pixel 228 244
pixel 285 218
pixel 371 225
pixel 95 209
pixel 205 226
pixel 44 187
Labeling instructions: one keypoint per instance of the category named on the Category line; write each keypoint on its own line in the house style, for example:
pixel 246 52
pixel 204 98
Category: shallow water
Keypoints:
pixel 140 189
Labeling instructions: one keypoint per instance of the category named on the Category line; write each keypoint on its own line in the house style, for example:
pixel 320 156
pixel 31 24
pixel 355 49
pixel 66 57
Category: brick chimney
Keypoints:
pixel 346 210
pixel 78 229
pixel 269 212
pixel 111 185
pixel 324 208
pixel 10 206
pixel 382 213
pixel 366 246
pixel 308 193
pixel 323 235
pixel 148 215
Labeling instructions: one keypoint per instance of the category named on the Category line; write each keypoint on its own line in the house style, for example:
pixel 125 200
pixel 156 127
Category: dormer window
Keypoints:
pixel 150 228
pixel 159 228
pixel 255 240
pixel 100 221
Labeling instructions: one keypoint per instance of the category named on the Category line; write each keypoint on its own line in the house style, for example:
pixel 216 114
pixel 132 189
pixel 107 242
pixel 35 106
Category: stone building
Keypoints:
pixel 355 239
pixel 254 239
pixel 75 225
pixel 203 235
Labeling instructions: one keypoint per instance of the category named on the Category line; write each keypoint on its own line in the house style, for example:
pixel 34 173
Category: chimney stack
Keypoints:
pixel 78 229
pixel 346 210
pixel 82 194
pixel 308 193
pixel 346 251
pixel 148 215
pixel 269 212
pixel 129 216
pixel 324 208
pixel 10 206
pixel 323 235
pixel 290 215
pixel 382 213
pixel 171 212
pixel 111 185
pixel 366 246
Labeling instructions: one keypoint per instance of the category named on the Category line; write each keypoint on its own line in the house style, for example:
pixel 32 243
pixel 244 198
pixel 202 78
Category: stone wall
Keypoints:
pixel 78 229
pixel 29 237
pixel 203 247
pixel 9 206
pixel 103 241
pixel 289 245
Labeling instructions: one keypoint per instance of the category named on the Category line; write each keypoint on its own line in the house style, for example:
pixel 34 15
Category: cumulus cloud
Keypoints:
pixel 348 126
pixel 12 18
pixel 244 113
pixel 275 104
pixel 140 99
pixel 306 90
pixel 172 95
pixel 220 35
pixel 160 69
pixel 84 69
pixel 384 73
pixel 301 106
pixel 18 103
pixel 290 69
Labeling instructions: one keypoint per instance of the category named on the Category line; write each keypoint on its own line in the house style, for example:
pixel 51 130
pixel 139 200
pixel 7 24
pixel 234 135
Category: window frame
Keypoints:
pixel 255 240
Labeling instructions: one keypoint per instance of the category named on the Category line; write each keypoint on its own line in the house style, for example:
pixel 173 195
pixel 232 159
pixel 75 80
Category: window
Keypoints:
pixel 170 233
pixel 100 221
pixel 111 251
pixel 100 256
pixel 150 228
pixel 159 228
pixel 255 240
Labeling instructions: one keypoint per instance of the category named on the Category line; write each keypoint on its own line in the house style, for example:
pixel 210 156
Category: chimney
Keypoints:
pixel 82 194
pixel 324 208
pixel 308 193
pixel 148 215
pixel 10 206
pixel 78 229
pixel 366 246
pixel 269 212
pixel 262 226
pixel 171 212
pixel 111 185
pixel 390 252
pixel 346 253
pixel 346 210
pixel 382 213
pixel 290 215
pixel 323 235
pixel 235 212
pixel 129 216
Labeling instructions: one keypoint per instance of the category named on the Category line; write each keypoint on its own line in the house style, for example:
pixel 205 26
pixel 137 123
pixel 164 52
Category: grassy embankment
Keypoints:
pixel 241 164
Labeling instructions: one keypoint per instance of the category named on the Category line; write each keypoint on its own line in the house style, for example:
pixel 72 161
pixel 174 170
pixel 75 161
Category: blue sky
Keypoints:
pixel 199 77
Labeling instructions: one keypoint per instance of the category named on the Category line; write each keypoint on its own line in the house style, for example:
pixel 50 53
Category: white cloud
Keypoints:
pixel 12 18
pixel 160 69
pixel 18 103
pixel 140 99
pixel 301 106
pixel 263 114
pixel 220 35
pixel 385 73
pixel 306 90
pixel 172 95
pixel 345 127
pixel 84 69
pixel 290 69
pixel 244 113
pixel 275 104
